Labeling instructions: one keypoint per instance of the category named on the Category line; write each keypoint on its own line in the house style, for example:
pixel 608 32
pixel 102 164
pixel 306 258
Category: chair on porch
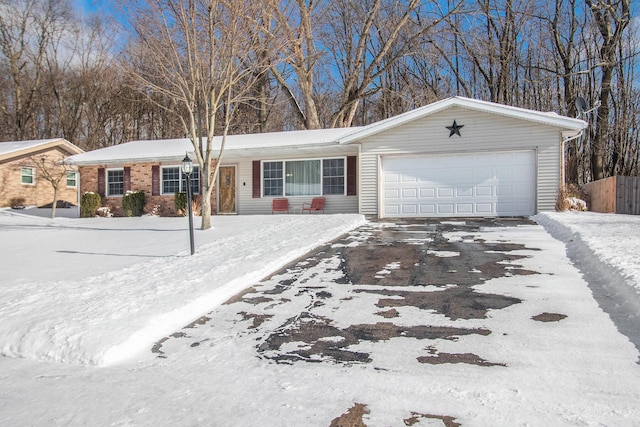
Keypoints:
pixel 280 205
pixel 316 205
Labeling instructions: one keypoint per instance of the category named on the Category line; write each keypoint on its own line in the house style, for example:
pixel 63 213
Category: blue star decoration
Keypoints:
pixel 454 129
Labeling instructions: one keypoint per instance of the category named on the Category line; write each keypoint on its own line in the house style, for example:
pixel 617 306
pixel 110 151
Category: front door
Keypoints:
pixel 227 193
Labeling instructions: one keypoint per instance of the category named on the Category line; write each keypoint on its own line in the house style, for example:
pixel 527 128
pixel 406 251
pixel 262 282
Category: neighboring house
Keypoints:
pixel 456 157
pixel 21 176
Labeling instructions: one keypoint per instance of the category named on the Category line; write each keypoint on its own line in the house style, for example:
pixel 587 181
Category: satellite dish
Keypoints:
pixel 581 105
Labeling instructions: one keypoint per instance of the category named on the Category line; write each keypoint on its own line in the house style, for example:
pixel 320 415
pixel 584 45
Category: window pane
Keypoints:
pixel 333 176
pixel 26 175
pixel 272 178
pixel 115 182
pixel 71 179
pixel 170 180
pixel 194 180
pixel 303 178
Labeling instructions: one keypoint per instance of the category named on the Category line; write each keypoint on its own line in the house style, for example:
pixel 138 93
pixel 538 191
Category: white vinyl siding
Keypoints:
pixel 247 204
pixel 482 133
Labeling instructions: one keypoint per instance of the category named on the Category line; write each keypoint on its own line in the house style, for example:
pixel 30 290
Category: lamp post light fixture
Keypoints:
pixel 187 170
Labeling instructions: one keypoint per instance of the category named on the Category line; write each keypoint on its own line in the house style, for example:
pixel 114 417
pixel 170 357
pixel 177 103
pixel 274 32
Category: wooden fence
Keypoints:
pixel 617 194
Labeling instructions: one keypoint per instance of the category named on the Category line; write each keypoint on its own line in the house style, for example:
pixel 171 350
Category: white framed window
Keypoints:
pixel 28 176
pixel 311 177
pixel 71 179
pixel 173 180
pixel 115 182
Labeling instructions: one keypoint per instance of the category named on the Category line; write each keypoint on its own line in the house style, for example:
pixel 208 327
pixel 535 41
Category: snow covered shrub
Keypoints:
pixel 133 203
pixel 155 211
pixel 89 204
pixel 572 198
pixel 576 204
pixel 180 202
pixel 104 212
pixel 195 205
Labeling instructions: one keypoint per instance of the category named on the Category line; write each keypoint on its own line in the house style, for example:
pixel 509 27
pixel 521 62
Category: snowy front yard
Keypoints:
pixel 84 301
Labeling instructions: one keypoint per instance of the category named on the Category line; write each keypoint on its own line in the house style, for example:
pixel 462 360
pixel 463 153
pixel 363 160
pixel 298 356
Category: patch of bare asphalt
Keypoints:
pixel 354 417
pixel 319 340
pixel 549 317
pixel 351 418
pixel 436 358
pixel 455 303
pixel 385 257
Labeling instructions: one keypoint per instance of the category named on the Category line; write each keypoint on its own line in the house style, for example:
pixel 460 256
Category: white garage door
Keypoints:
pixel 464 185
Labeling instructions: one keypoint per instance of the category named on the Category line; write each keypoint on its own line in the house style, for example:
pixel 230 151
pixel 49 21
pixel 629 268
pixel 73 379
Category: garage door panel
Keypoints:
pixel 427 193
pixel 464 191
pixel 484 208
pixel 479 184
pixel 392 193
pixel 409 193
pixel 464 208
pixel 427 208
pixel 445 192
pixel 445 208
pixel 391 177
pixel 483 191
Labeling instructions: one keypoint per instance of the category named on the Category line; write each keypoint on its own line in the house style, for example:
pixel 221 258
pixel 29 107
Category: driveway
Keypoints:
pixel 398 297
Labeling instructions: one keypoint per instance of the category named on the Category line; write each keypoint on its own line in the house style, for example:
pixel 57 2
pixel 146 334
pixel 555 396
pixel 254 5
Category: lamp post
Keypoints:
pixel 187 169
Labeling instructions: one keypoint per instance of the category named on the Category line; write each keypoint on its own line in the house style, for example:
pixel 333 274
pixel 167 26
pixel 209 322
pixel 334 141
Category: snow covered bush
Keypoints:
pixel 572 198
pixel 576 204
pixel 180 202
pixel 133 203
pixel 89 204
pixel 104 212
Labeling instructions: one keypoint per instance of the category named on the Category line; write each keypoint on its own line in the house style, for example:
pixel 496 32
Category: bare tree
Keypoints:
pixel 54 171
pixel 611 17
pixel 27 30
pixel 296 24
pixel 199 56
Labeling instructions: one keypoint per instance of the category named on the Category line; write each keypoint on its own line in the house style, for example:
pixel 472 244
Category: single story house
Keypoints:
pixel 456 157
pixel 21 171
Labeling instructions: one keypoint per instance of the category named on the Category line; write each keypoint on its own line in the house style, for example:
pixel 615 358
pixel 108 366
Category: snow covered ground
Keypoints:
pixel 83 300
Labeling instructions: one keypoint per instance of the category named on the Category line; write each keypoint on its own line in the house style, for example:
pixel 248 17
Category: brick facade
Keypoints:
pixel 40 193
pixel 140 179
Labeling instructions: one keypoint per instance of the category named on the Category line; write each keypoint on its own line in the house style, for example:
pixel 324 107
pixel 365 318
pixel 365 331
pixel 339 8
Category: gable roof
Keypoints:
pixel 303 141
pixel 548 118
pixel 174 149
pixel 12 149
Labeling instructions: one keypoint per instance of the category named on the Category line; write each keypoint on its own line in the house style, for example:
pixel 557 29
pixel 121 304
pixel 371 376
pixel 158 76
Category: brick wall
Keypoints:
pixel 41 192
pixel 141 180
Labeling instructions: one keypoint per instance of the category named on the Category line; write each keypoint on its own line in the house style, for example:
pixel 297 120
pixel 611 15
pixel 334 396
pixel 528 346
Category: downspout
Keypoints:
pixel 78 190
pixel 562 154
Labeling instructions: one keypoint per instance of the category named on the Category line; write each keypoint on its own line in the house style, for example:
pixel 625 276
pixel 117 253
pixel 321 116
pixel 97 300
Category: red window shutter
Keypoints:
pixel 101 181
pixel 155 180
pixel 256 179
pixel 127 179
pixel 352 181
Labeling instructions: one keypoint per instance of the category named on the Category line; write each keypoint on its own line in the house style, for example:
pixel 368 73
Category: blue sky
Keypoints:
pixel 93 6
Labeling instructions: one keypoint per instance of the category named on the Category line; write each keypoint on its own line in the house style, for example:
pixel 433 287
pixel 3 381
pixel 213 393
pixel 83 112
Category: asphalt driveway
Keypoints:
pixel 429 283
